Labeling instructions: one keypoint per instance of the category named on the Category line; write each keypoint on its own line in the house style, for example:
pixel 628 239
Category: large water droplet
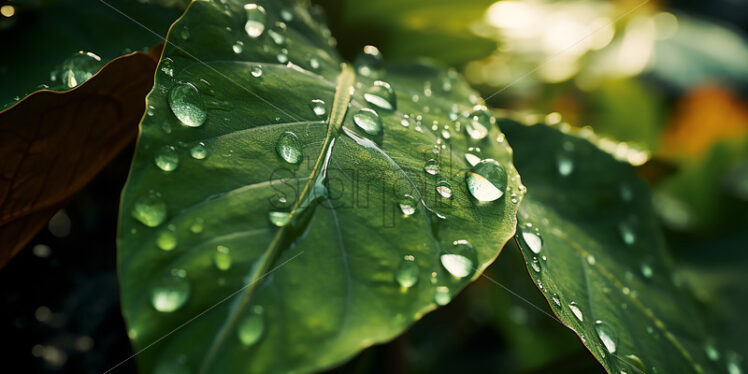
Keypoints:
pixel 289 148
pixel 369 62
pixel 444 189
pixel 636 362
pixel 79 67
pixel 442 296
pixel 150 209
pixel 576 311
pixel 431 167
pixel 407 272
pixel 251 327
pixel 606 335
pixel 487 180
pixel 368 120
pixel 167 158
pixel 185 102
pixel 408 205
pixel 167 238
pixel 222 258
pixel 171 291
pixel 381 96
pixel 532 239
pixel 478 124
pixel 256 18
pixel 279 219
pixel 460 260
pixel 318 107
pixel 198 151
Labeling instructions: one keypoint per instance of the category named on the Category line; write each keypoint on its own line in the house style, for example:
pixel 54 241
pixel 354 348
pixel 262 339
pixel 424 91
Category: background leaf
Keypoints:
pixel 53 144
pixel 357 261
pixel 592 245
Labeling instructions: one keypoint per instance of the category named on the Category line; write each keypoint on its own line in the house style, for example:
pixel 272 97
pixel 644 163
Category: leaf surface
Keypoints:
pixel 203 266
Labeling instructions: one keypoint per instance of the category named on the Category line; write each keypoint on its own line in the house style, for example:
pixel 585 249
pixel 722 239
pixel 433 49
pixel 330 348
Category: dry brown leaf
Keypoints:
pixel 53 143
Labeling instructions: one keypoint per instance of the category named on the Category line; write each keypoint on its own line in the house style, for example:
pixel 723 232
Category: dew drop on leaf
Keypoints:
pixel 369 62
pixel 408 205
pixel 171 291
pixel 187 105
pixel 79 67
pixel 167 238
pixel 150 209
pixel 535 264
pixel 431 167
pixel 197 225
pixel 607 336
pixel 444 189
pixel 442 296
pixel 222 258
pixel 473 156
pixel 407 272
pixel 279 219
pixel 646 271
pixel 256 71
pixel 487 180
pixel 478 124
pixel 532 239
pixel 256 18
pixel 167 158
pixel 289 148
pixel 368 120
pixel 238 47
pixel 381 96
pixel 199 151
pixel 460 260
pixel 627 233
pixel 250 329
pixel 576 311
pixel 318 107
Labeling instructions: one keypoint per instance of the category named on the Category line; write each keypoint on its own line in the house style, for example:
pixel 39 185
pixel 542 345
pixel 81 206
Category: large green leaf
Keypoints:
pixel 593 246
pixel 199 255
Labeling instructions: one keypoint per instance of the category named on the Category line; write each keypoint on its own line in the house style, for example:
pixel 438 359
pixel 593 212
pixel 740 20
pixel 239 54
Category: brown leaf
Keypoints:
pixel 53 143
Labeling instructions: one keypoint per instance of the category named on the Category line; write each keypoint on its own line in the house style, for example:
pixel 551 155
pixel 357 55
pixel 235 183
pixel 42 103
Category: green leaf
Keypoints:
pixel 41 36
pixel 593 247
pixel 199 237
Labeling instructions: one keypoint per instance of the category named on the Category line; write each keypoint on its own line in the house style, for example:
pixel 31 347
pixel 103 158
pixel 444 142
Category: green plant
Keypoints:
pixel 286 209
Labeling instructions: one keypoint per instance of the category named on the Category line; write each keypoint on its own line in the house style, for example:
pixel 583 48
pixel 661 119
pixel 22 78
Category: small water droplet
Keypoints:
pixel 251 328
pixel 369 62
pixel 368 120
pixel 646 271
pixel 256 18
pixel 576 311
pixel 591 259
pixel 197 225
pixel 408 205
pixel 473 156
pixel 314 63
pixel 187 105
pixel 733 363
pixel 442 296
pixel 431 167
pixel 407 272
pixel 256 71
pixel 565 160
pixel 150 209
pixel 222 258
pixel 460 260
pixel 487 180
pixel 478 124
pixel 381 96
pixel 238 47
pixel 444 189
pixel 607 336
pixel 286 15
pixel 556 299
pixel 171 291
pixel 318 107
pixel 282 56
pixel 198 151
pixel 167 238
pixel 636 362
pixel 289 148
pixel 535 264
pixel 627 233
pixel 278 34
pixel 167 158
pixel 532 239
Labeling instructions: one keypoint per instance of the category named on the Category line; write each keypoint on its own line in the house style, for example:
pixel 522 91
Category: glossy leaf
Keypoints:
pixel 285 221
pixel 593 247
pixel 52 144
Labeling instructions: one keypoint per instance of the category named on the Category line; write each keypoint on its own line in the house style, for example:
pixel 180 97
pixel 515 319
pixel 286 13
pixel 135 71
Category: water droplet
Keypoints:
pixel 197 225
pixel 460 260
pixel 444 189
pixel 591 259
pixel 314 63
pixel 167 238
pixel 636 362
pixel 184 33
pixel 286 15
pixel 487 180
pixel 238 47
pixel 442 296
pixel 556 299
pixel 318 107
pixel 198 151
pixel 256 18
pixel 251 327
pixel 256 71
pixel 431 167
pixel 171 291
pixel 278 34
pixel 408 204
pixel 532 239
pixel 186 104
pixel 368 120
pixel 279 219
pixel 535 264
pixel 167 158
pixel 473 156
pixel 733 363
pixel 407 273
pixel 282 56
pixel 606 335
pixel 79 68
pixel 646 270
pixel 381 96
pixel 289 148
pixel 479 122
pixel 565 160
pixel 150 210
pixel 626 193
pixel 369 62
pixel 627 233
pixel 576 311
pixel 222 258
